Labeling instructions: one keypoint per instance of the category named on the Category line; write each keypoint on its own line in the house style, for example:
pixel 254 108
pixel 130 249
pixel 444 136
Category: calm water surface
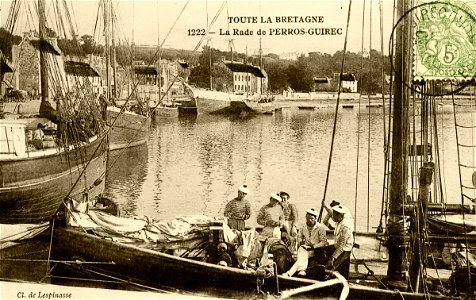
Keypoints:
pixel 194 164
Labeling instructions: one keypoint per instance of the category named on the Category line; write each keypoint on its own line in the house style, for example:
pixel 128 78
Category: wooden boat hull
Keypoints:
pixel 163 111
pixel 158 270
pixel 32 188
pixel 128 129
pixel 261 107
pixel 214 102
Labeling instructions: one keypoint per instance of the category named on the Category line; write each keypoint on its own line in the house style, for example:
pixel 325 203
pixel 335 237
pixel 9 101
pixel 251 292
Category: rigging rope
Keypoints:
pixel 369 92
pixel 336 110
pixel 461 189
pixel 210 25
pixel 359 115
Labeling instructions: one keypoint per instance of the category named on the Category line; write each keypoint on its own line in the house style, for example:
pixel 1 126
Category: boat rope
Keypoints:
pixel 461 188
pixel 386 138
pixel 200 248
pixel 83 279
pixel 359 118
pixel 127 281
pixel 210 25
pixel 40 228
pixel 79 262
pixel 172 27
pixel 370 272
pixel 438 162
pixel 384 209
pixel 438 275
pixel 321 284
pixel 50 246
pixel 334 128
pixel 369 124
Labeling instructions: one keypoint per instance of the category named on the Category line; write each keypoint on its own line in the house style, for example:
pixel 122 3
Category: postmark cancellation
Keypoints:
pixel 445 40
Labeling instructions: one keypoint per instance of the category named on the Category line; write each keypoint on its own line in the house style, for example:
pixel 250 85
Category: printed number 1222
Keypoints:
pixel 196 32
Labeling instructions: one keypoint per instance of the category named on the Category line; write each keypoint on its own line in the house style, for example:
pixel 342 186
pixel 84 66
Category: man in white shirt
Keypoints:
pixel 339 253
pixel 312 235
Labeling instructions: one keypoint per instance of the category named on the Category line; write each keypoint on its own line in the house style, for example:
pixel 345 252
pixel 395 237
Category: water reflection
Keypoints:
pixel 195 163
pixel 126 173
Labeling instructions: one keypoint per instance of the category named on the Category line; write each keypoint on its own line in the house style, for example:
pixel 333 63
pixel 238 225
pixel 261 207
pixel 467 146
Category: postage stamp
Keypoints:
pixel 445 40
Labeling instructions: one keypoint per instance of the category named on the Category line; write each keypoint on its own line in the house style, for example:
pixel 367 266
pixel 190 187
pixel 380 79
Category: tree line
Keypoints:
pixel 282 74
pixel 297 74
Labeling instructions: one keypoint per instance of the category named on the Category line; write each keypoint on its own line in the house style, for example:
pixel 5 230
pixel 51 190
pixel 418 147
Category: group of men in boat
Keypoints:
pixel 307 242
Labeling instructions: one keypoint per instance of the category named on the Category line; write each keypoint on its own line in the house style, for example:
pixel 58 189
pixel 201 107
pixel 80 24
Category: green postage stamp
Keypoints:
pixel 445 40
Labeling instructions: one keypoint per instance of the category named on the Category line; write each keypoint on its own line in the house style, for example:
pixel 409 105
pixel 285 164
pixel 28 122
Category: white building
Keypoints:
pixel 247 78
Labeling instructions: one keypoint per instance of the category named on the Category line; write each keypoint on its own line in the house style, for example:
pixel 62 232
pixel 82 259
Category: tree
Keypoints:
pixel 200 75
pixel 88 45
pixel 277 76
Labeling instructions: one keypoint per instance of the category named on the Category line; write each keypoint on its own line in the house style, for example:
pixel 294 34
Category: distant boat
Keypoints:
pixel 215 102
pixel 261 105
pixel 165 110
pixel 307 107
pixel 128 129
pixel 128 117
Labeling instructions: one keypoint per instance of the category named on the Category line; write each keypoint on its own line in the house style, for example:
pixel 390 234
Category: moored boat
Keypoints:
pixel 35 182
pixel 215 102
pixel 262 105
pixel 103 253
pixel 52 153
pixel 128 129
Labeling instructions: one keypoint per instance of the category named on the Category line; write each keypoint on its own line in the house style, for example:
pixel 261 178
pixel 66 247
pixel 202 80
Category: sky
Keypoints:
pixel 288 26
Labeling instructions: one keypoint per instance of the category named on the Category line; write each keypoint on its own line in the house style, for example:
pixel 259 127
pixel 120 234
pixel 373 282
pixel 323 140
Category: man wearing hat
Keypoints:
pixel 271 216
pixel 312 235
pixel 238 209
pixel 290 213
pixel 328 216
pixel 339 253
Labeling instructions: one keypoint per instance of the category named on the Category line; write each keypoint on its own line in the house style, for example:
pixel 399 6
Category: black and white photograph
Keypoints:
pixel 268 149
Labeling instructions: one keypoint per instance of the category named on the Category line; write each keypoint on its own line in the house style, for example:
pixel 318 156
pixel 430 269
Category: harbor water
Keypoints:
pixel 194 164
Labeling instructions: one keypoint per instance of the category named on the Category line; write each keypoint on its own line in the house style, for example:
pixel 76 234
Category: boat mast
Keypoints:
pixel 43 61
pixel 398 184
pixel 133 51
pixel 261 65
pixel 107 27
pixel 159 72
pixel 113 54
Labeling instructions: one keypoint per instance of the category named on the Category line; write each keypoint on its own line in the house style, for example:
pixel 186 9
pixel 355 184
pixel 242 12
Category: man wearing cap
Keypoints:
pixel 328 216
pixel 238 209
pixel 290 213
pixel 344 241
pixel 271 216
pixel 312 235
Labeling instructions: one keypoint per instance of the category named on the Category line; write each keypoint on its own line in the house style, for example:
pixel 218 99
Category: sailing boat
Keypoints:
pixel 168 108
pixel 69 158
pixel 128 118
pixel 222 99
pixel 220 102
pixel 261 103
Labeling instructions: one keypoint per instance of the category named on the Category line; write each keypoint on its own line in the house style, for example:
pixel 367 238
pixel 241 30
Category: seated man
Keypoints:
pixel 271 216
pixel 312 235
pixel 38 136
pixel 338 255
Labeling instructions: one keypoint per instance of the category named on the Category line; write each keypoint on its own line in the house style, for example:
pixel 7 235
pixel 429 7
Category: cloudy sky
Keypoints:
pixel 289 26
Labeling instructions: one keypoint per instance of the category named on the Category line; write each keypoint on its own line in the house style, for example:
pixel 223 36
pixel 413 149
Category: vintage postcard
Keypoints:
pixel 174 149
